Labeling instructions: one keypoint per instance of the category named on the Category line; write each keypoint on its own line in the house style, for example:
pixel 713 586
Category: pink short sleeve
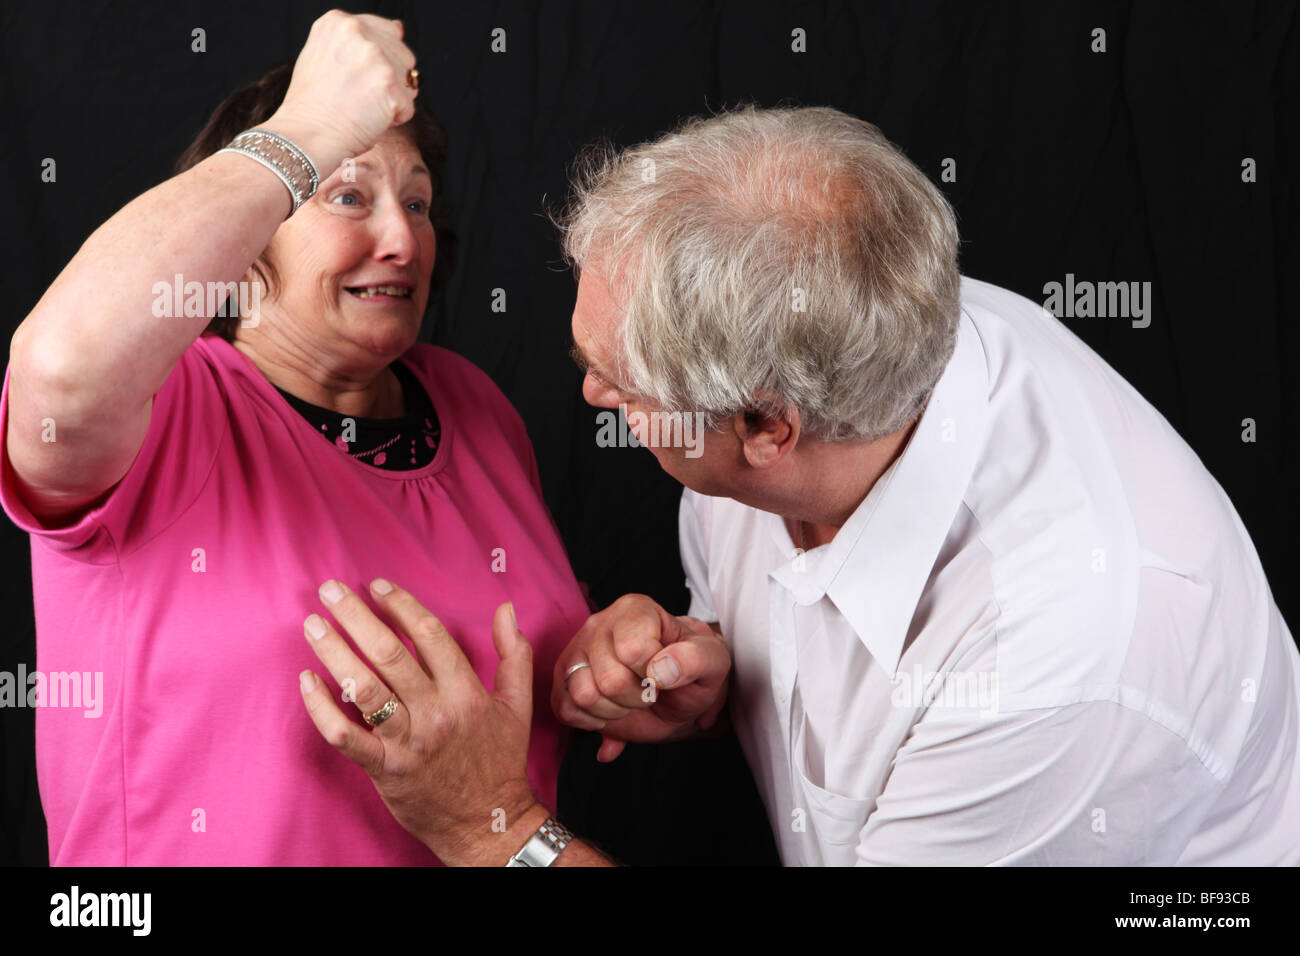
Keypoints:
pixel 187 424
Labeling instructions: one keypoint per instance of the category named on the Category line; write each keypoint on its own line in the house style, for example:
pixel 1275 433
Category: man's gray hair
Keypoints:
pixel 765 257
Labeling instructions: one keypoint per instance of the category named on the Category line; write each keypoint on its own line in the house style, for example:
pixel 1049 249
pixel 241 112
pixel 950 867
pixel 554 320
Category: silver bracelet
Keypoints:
pixel 543 846
pixel 282 157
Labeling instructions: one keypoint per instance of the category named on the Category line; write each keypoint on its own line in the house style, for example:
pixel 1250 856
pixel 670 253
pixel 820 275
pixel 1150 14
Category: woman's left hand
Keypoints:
pixel 452 757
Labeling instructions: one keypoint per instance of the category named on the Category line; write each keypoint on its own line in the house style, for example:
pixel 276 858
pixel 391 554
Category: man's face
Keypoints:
pixel 708 466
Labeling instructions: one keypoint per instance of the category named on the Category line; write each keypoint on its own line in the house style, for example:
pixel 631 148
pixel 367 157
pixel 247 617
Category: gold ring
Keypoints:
pixel 413 79
pixel 383 713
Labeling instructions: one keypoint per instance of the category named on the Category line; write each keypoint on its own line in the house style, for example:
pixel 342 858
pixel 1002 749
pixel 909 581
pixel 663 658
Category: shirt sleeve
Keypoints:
pixel 1087 784
pixel 188 421
pixel 692 542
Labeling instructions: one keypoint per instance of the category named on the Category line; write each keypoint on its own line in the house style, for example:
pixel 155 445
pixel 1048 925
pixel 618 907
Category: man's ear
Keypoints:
pixel 768 432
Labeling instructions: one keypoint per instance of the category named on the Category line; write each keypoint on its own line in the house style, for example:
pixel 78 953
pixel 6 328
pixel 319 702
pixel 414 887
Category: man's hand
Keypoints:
pixel 451 755
pixel 652 677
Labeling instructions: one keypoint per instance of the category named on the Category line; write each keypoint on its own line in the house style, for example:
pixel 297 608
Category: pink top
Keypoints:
pixel 187 590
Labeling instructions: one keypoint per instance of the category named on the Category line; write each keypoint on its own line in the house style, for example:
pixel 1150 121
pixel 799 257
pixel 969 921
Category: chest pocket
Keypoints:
pixel 833 821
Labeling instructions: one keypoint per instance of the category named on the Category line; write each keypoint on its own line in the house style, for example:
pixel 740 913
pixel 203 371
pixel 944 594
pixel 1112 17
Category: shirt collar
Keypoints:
pixel 876 566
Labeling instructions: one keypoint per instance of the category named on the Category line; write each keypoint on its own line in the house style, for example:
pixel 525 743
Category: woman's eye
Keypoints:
pixel 352 196
pixel 420 204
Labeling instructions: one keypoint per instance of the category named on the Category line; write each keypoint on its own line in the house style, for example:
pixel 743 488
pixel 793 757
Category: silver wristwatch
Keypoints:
pixel 543 846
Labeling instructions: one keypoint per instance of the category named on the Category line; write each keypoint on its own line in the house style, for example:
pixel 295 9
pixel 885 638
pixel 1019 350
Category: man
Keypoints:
pixel 969 597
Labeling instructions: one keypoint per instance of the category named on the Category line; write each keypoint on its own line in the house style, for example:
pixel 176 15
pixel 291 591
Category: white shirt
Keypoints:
pixel 1116 683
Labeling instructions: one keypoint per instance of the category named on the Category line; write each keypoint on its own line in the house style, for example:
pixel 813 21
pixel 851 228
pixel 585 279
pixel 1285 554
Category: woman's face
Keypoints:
pixel 368 225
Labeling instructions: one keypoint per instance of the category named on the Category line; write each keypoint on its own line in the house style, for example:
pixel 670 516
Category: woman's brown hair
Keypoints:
pixel 253 105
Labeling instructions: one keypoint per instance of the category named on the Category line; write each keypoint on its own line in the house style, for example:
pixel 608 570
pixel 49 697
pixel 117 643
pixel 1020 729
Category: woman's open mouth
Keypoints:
pixel 381 293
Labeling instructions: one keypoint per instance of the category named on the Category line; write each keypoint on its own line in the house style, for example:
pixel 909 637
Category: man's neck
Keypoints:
pixel 831 480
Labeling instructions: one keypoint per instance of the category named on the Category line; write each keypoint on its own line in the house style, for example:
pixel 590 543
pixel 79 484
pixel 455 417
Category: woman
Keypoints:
pixel 187 493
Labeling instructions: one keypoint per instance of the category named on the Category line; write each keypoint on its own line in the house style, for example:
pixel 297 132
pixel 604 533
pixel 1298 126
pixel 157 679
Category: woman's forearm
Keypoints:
pixel 94 332
pixel 92 353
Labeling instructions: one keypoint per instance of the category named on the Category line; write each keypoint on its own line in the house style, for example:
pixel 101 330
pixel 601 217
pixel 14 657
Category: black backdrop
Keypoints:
pixel 1122 165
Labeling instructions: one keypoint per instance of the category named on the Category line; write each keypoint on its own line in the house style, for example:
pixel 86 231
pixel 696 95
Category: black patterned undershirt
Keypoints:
pixel 393 444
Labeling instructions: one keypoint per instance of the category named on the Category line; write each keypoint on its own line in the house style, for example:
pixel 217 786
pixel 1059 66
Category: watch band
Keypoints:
pixel 543 846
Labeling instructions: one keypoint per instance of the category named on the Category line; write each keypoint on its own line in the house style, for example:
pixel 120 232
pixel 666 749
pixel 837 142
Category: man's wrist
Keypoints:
pixel 498 848
pixel 528 827
pixel 490 845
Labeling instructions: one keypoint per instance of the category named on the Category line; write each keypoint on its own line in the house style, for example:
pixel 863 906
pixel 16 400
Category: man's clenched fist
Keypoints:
pixel 651 677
